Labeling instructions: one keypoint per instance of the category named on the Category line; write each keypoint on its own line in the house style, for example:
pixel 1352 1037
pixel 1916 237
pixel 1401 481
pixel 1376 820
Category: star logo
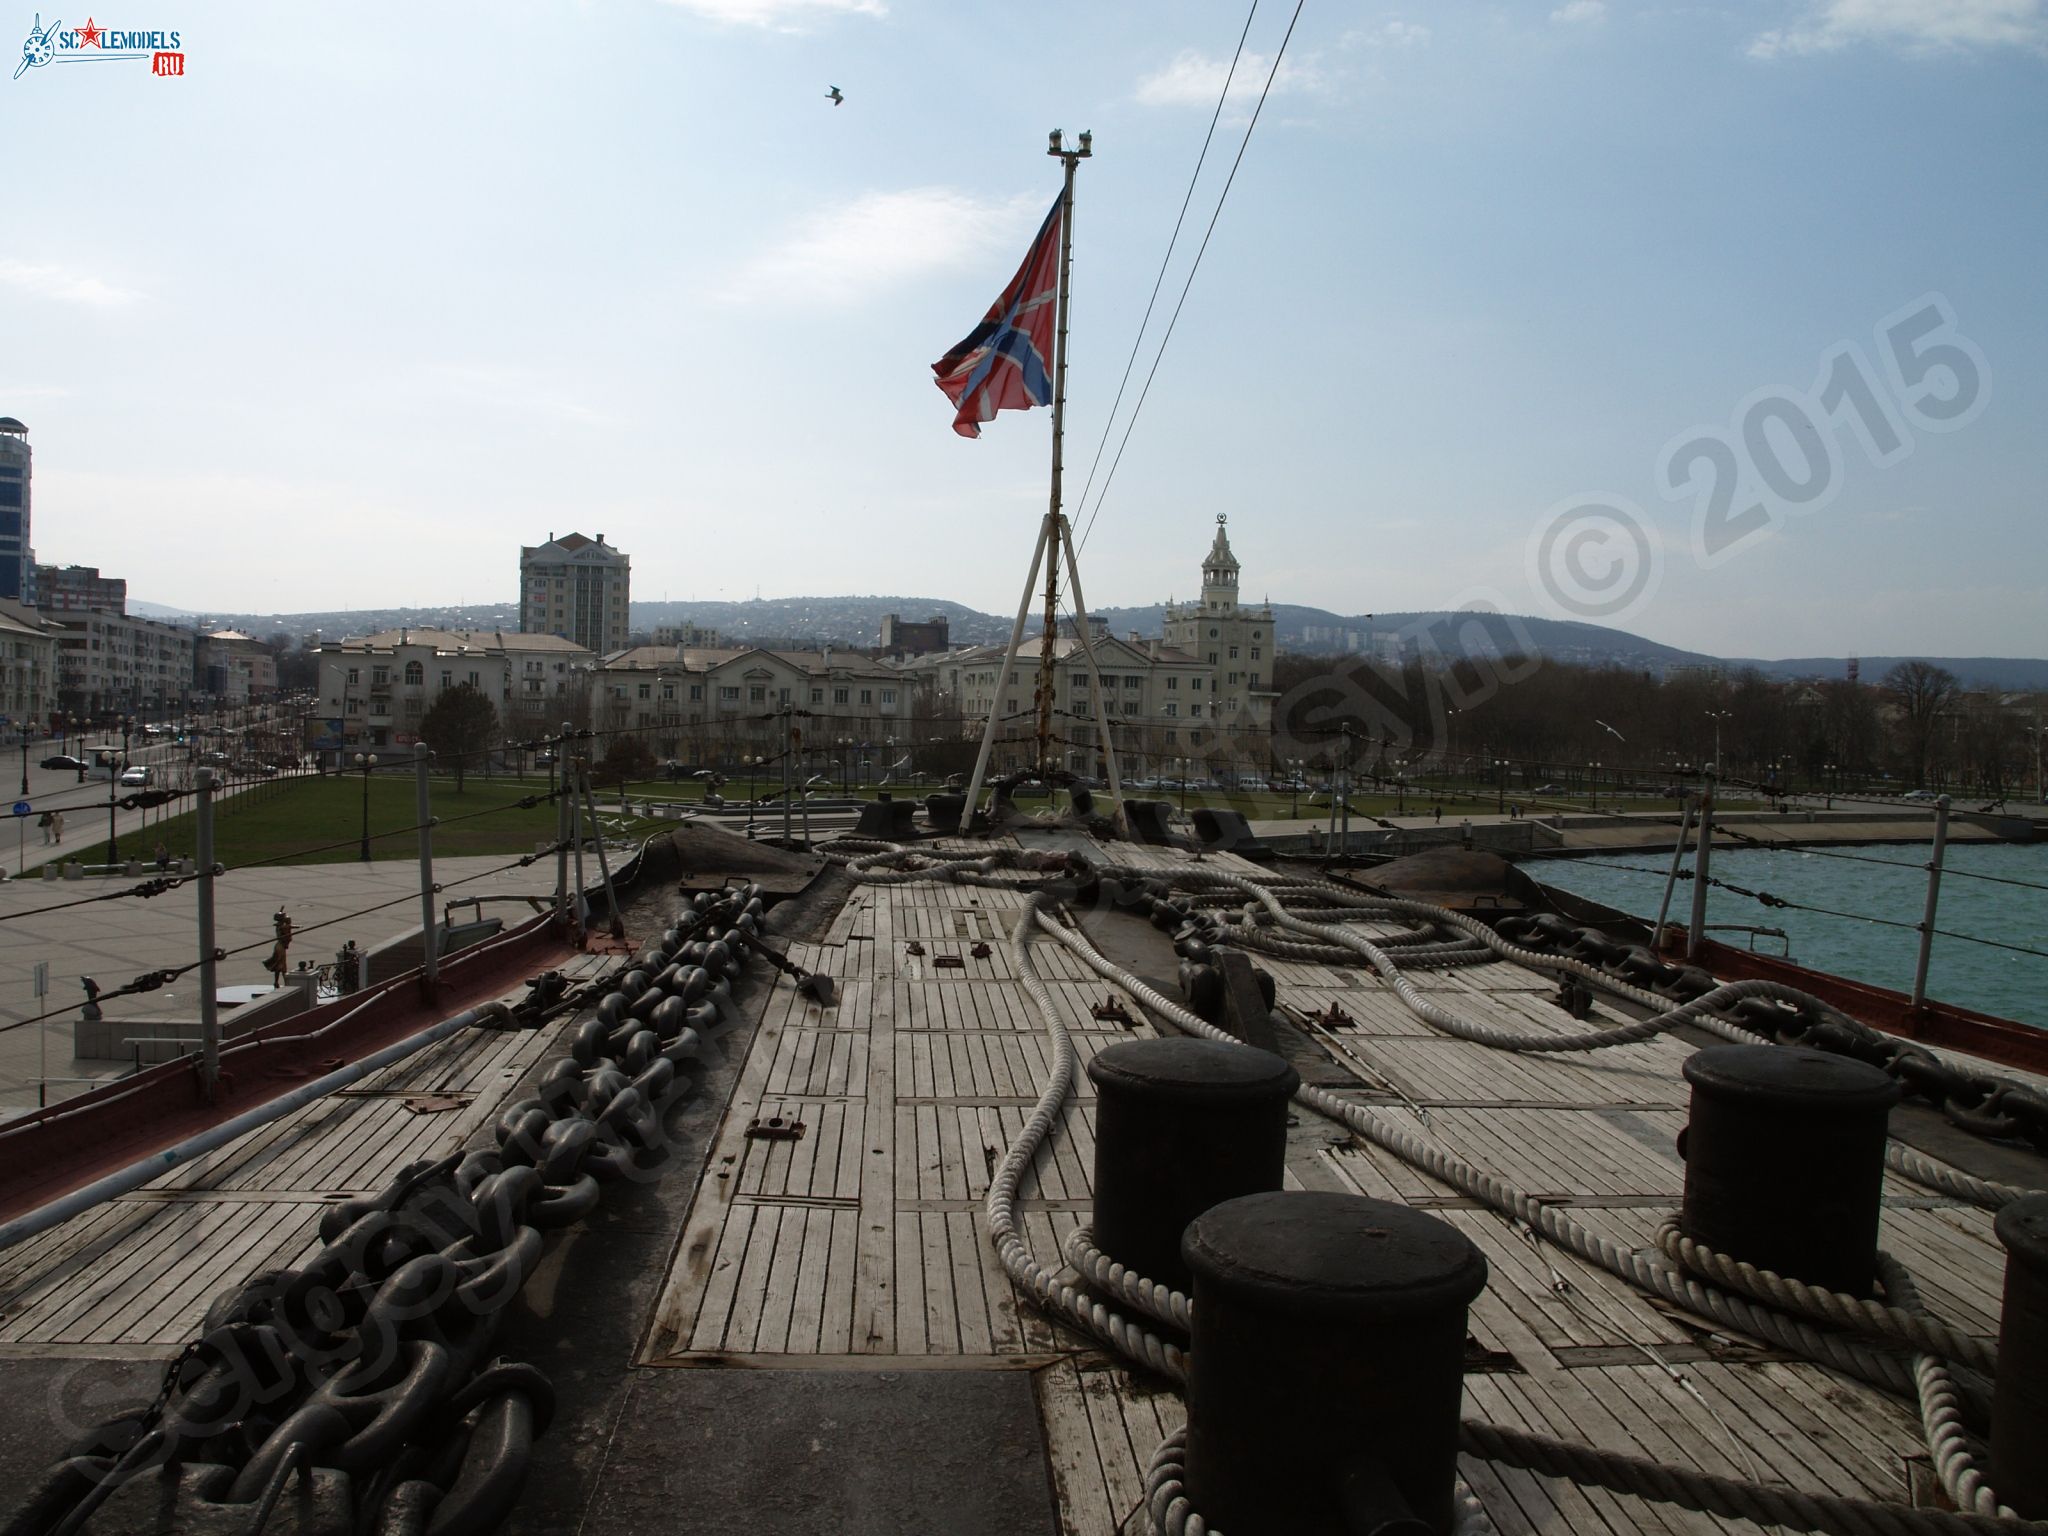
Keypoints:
pixel 89 35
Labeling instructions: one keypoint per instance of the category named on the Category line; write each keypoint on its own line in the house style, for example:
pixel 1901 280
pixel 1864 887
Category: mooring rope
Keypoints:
pixel 1928 1379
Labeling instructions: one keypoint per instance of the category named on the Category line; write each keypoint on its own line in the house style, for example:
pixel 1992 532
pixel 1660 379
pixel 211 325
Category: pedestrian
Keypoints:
pixel 44 822
pixel 163 857
pixel 57 827
pixel 1437 813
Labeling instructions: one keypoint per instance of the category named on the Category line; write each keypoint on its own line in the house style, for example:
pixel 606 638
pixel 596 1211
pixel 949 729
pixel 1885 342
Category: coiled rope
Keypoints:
pixel 1895 1323
pixel 1929 1380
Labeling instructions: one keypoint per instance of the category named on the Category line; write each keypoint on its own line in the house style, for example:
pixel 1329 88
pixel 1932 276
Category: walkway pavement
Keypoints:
pixel 114 941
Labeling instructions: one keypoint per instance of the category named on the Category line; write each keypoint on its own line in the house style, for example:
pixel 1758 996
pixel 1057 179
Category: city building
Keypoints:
pixel 719 707
pixel 233 667
pixel 80 587
pixel 576 589
pixel 1237 642
pixel 901 639
pixel 17 559
pixel 1160 703
pixel 1196 703
pixel 114 663
pixel 692 637
pixel 28 669
pixel 376 689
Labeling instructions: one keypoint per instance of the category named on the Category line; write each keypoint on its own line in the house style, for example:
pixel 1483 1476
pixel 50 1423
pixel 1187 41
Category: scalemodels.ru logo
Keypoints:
pixel 93 43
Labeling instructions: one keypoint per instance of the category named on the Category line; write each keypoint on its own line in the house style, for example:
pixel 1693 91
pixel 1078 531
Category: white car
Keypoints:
pixel 138 777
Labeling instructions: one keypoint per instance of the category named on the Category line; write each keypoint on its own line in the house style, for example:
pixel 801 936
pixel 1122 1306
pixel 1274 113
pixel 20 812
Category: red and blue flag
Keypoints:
pixel 1005 363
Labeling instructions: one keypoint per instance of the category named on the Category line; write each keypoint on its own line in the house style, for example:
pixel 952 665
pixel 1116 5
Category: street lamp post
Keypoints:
pixel 1717 716
pixel 27 731
pixel 1500 784
pixel 1593 786
pixel 1294 788
pixel 845 744
pixel 366 761
pixel 113 782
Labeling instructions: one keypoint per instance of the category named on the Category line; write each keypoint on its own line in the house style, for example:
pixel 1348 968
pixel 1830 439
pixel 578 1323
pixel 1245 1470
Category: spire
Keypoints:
pixel 1220 557
pixel 1219 571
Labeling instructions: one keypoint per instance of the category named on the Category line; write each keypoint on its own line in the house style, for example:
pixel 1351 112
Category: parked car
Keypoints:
pixel 138 777
pixel 65 761
pixel 1918 794
pixel 213 759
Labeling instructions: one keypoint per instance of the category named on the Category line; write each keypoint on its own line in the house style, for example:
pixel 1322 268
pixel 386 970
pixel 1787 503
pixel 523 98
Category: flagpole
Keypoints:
pixel 1049 641
pixel 1052 531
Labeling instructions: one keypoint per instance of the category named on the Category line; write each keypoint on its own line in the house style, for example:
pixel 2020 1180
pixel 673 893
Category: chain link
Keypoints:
pixel 366 1373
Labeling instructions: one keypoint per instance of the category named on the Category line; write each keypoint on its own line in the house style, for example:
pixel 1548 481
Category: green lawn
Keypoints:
pixel 301 815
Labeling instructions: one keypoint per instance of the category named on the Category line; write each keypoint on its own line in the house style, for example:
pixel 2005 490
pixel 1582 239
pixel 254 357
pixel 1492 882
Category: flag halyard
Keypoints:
pixel 1006 362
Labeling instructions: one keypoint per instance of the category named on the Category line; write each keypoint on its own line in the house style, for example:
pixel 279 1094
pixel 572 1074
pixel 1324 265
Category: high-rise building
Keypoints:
pixel 17 560
pixel 576 588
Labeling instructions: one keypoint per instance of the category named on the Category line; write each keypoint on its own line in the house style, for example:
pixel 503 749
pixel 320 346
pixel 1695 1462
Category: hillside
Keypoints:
pixel 856 621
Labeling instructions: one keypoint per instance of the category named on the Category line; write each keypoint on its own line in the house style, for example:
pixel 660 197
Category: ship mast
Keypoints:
pixel 1055 541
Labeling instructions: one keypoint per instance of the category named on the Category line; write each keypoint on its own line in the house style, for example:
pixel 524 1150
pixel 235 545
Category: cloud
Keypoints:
pixel 782 15
pixel 1388 34
pixel 1193 78
pixel 880 239
pixel 1575 13
pixel 48 282
pixel 1916 27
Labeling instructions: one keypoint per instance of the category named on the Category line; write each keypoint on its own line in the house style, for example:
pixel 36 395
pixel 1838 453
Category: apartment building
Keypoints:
pixel 376 689
pixel 576 589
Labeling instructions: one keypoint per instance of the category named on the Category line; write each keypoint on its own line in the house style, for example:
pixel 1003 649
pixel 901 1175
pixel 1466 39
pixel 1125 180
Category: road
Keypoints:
pixel 84 804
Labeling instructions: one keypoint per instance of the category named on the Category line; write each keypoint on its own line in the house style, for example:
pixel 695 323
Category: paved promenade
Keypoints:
pixel 114 941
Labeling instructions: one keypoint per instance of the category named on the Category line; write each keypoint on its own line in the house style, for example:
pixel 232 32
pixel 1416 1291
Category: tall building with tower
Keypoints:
pixel 576 588
pixel 1236 641
pixel 17 560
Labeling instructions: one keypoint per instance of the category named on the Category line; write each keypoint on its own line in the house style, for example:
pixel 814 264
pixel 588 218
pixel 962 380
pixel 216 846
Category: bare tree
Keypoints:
pixel 1923 693
pixel 462 725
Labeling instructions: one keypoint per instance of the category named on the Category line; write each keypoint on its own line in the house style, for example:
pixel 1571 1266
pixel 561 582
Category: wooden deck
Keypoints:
pixel 133 1277
pixel 861 1246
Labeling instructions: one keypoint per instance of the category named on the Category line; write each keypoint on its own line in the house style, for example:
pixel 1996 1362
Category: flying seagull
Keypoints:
pixel 1610 730
pixel 834 96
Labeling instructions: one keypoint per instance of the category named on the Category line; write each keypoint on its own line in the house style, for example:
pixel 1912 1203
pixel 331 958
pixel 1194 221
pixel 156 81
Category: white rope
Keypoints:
pixel 1154 1298
pixel 1644 1271
pixel 1166 1499
pixel 1894 1323
pixel 1167 1504
pixel 1041 1284
pixel 1911 1163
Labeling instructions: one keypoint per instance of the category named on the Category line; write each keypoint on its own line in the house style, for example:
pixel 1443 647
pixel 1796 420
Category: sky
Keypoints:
pixel 370 296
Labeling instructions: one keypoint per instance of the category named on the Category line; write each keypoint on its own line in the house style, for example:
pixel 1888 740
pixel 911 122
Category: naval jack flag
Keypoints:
pixel 1005 363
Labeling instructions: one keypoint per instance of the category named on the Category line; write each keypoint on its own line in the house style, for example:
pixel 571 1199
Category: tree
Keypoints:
pixel 626 759
pixel 462 724
pixel 1923 693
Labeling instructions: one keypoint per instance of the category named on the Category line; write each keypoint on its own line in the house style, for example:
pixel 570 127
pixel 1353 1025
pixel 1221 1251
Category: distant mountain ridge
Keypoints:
pixel 857 621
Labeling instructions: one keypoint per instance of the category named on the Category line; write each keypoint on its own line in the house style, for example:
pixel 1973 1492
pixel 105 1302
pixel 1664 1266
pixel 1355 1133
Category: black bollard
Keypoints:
pixel 2019 1402
pixel 1181 1125
pixel 889 820
pixel 1327 1365
pixel 1784 1161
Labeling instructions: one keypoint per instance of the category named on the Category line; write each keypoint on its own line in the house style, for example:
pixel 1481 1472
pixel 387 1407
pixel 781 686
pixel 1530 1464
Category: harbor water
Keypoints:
pixel 1887 882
